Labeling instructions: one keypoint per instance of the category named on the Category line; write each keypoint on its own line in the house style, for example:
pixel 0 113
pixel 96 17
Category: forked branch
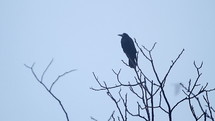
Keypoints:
pixel 49 89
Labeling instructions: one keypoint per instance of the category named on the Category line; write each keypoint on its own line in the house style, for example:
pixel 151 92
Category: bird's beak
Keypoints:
pixel 120 35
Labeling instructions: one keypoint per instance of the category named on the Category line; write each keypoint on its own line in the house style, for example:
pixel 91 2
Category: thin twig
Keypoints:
pixel 49 89
pixel 46 69
pixel 65 73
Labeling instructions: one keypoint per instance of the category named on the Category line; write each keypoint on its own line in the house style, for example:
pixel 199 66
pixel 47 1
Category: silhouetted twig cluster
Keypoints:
pixel 49 89
pixel 202 92
pixel 146 90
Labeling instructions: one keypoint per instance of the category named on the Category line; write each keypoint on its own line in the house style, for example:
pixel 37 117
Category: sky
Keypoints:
pixel 82 35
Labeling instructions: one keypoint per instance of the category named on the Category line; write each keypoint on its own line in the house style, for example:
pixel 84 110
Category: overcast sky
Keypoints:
pixel 82 35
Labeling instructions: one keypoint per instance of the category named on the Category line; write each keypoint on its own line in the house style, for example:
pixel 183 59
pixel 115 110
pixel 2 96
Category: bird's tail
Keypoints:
pixel 132 63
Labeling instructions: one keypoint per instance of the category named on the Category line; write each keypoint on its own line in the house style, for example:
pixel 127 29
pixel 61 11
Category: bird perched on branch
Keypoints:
pixel 129 49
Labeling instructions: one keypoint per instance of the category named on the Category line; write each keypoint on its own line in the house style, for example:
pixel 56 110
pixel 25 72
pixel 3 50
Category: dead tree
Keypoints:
pixel 49 89
pixel 150 89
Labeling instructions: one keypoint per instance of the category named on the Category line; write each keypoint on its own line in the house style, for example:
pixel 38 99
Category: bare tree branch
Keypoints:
pixel 65 73
pixel 46 69
pixel 49 89
pixel 147 90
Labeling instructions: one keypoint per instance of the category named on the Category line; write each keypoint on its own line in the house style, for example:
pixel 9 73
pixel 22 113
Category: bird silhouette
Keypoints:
pixel 129 49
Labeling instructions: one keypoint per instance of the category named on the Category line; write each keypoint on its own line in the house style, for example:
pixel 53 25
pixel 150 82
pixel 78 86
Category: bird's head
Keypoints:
pixel 123 35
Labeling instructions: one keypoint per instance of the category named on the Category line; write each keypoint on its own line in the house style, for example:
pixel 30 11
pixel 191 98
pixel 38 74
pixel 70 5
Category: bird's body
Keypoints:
pixel 129 49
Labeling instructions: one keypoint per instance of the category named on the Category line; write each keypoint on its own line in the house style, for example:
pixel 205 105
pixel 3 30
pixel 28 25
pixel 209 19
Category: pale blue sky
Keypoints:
pixel 81 34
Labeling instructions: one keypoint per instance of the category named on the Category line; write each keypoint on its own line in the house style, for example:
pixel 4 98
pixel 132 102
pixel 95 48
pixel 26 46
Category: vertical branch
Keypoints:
pixel 192 109
pixel 124 101
pixel 197 79
pixel 152 101
pixel 206 98
pixel 116 103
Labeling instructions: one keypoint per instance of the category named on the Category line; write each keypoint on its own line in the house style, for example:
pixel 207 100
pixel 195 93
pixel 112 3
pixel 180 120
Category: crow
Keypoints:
pixel 129 49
